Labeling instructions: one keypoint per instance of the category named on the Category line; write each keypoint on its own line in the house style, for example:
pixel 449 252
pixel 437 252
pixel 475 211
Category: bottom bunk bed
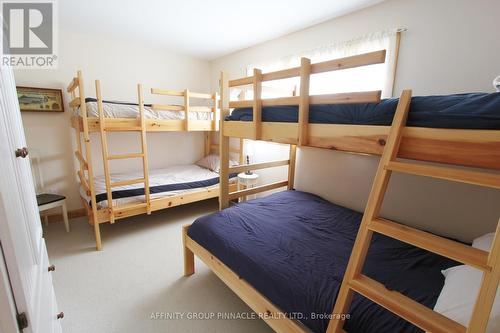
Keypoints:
pixel 292 249
pixel 168 187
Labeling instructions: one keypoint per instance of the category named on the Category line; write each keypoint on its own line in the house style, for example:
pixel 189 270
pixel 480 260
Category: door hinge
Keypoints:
pixel 22 320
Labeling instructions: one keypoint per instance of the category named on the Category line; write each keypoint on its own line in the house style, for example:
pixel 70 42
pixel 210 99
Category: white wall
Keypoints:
pixel 451 46
pixel 120 65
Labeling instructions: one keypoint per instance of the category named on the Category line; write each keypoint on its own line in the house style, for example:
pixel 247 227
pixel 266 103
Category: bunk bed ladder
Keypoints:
pixel 404 307
pixel 107 157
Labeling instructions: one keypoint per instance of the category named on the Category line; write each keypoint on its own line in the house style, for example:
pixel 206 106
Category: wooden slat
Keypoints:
pixel 414 312
pixel 104 150
pixel 224 143
pixel 257 104
pixel 144 145
pixel 186 110
pixel 257 189
pixel 340 98
pixel 82 161
pixel 167 107
pixel 258 166
pixel 75 102
pixel 125 156
pixel 475 148
pixel 365 59
pixel 127 182
pixel 464 176
pixel 120 209
pixel 72 85
pixel 241 82
pixel 346 98
pixel 488 290
pixel 291 167
pixel 281 74
pixel 200 95
pixel 166 92
pixel 241 104
pixel 122 128
pixel 304 100
pixel 439 245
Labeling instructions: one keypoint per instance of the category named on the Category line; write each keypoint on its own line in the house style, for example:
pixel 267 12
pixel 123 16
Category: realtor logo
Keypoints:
pixel 28 38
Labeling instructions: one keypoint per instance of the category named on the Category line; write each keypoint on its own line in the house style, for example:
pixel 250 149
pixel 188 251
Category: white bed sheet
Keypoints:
pixel 171 175
pixel 116 110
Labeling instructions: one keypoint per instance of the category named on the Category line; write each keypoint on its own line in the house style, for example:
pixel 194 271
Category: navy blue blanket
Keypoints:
pixel 469 111
pixel 293 247
pixel 118 194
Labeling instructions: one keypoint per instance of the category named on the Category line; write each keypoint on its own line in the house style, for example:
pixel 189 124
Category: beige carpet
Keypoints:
pixel 138 273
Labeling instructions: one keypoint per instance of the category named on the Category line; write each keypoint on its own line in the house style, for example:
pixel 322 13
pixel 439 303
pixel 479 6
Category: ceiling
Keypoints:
pixel 203 29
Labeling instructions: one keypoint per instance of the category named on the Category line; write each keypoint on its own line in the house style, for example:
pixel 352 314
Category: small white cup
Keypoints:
pixel 496 83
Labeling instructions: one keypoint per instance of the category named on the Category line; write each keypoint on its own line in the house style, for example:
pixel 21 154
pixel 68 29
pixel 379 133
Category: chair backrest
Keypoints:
pixel 36 171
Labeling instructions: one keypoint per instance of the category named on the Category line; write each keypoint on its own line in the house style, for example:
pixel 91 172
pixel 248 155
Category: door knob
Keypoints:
pixel 22 152
pixel 60 315
pixel 51 268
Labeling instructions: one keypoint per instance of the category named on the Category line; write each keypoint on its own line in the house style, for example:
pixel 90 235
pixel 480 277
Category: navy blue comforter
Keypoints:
pixel 293 247
pixel 468 111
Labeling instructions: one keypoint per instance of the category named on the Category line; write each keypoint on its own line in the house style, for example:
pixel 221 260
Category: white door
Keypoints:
pixel 20 229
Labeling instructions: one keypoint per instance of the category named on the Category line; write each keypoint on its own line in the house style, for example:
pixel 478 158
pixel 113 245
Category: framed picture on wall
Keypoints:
pixel 40 99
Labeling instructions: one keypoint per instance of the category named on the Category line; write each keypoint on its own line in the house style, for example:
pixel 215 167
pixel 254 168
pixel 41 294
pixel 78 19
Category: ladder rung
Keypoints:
pixel 406 308
pixel 464 176
pixel 439 245
pixel 122 129
pixel 127 182
pixel 124 156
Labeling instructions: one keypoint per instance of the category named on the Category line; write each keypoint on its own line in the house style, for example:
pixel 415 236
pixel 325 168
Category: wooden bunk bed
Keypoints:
pixel 84 125
pixel 461 147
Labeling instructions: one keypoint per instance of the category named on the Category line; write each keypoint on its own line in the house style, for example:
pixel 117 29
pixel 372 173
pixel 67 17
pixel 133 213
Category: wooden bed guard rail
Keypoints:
pixel 152 125
pixel 465 147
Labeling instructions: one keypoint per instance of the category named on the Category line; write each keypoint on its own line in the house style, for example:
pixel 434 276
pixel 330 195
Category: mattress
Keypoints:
pixel 131 110
pixel 467 111
pixel 293 247
pixel 171 181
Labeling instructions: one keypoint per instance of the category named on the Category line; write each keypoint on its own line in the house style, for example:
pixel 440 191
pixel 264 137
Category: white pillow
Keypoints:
pixel 461 286
pixel 212 162
pixel 484 242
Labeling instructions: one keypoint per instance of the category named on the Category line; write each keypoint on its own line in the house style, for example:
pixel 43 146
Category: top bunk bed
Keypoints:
pixel 122 116
pixel 456 129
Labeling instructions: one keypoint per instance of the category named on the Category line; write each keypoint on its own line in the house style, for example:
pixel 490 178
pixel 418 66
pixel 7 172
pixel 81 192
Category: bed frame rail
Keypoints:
pixel 464 147
pixel 186 107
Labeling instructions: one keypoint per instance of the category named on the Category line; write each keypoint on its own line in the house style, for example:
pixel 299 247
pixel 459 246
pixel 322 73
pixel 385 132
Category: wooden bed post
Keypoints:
pixel 291 167
pixel 224 144
pixel 144 145
pixel 489 287
pixel 88 155
pixel 188 254
pixel 257 104
pixel 186 109
pixel 305 74
pixel 104 149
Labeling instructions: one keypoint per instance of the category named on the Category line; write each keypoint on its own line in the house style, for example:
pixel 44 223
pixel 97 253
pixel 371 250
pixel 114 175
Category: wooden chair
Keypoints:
pixel 46 201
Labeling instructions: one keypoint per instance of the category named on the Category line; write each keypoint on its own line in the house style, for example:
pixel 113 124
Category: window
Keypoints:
pixel 366 78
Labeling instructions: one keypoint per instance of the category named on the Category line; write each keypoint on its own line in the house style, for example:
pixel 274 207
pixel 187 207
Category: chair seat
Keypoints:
pixel 46 198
